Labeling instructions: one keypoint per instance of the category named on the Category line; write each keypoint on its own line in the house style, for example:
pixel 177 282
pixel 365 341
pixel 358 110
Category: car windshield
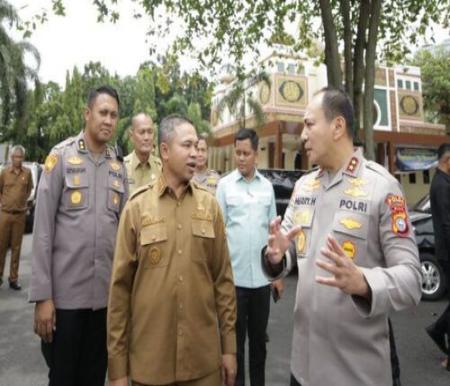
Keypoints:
pixel 423 205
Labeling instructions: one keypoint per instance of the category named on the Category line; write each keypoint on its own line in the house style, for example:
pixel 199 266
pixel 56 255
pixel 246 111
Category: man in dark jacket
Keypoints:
pixel 440 210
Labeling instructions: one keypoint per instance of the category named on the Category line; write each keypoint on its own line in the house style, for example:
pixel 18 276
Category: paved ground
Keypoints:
pixel 22 365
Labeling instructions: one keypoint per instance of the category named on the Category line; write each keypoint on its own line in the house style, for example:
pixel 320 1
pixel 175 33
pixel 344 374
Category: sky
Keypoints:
pixel 78 38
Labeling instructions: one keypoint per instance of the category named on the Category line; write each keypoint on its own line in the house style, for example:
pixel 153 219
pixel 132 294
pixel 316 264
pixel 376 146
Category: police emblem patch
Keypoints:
pixel 155 255
pixel 75 197
pixel 301 242
pixel 50 162
pixel 399 215
pixel 349 248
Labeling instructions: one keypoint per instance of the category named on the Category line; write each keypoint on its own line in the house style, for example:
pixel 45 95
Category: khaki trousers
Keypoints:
pixel 213 379
pixel 12 226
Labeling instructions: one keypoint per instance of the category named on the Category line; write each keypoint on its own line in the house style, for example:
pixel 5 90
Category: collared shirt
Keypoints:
pixel 141 173
pixel 362 206
pixel 15 188
pixel 172 308
pixel 79 201
pixel 208 179
pixel 247 207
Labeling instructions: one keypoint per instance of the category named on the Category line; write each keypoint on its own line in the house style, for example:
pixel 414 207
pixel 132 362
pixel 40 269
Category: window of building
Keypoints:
pixel 412 178
pixel 408 85
pixel 280 66
pixel 416 86
pixel 291 68
pixel 400 83
pixel 426 177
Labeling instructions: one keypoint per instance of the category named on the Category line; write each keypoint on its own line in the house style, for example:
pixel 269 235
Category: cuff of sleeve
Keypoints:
pixel 117 367
pixel 272 271
pixel 229 344
pixel 378 300
pixel 36 295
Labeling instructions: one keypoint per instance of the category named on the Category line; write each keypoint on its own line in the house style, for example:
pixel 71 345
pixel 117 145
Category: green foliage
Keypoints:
pixel 435 69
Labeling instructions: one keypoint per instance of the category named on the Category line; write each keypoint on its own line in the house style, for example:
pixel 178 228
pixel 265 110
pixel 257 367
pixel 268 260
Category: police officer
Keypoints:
pixel 16 184
pixel 204 176
pixel 80 197
pixel 142 166
pixel 355 250
pixel 172 308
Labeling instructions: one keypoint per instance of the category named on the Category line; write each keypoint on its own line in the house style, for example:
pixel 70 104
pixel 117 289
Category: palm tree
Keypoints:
pixel 14 74
pixel 240 102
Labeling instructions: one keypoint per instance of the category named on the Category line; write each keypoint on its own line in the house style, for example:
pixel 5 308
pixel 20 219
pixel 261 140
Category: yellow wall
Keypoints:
pixel 415 191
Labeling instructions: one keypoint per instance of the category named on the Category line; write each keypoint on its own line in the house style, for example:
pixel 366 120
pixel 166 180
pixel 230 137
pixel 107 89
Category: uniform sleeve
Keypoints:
pixel 221 199
pixel 273 206
pixel 126 189
pixel 48 198
pixel 1 184
pixel 224 290
pixel 397 284
pixel 30 184
pixel 119 304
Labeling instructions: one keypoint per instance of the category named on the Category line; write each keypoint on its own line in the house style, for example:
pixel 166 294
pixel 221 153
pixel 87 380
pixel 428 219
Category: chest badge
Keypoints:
pixel 350 223
pixel 115 166
pixel 312 185
pixel 76 180
pixel 301 242
pixel 302 217
pixel 75 197
pixel 75 160
pixel 355 191
pixel 349 248
pixel 155 255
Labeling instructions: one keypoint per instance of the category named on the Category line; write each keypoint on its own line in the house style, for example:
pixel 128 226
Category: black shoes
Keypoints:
pixel 14 286
pixel 438 338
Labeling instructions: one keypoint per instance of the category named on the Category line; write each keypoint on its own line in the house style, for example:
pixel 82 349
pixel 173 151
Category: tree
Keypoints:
pixel 14 74
pixel 358 29
pixel 435 68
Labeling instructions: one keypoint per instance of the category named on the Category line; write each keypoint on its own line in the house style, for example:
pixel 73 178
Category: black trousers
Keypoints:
pixel 77 355
pixel 253 306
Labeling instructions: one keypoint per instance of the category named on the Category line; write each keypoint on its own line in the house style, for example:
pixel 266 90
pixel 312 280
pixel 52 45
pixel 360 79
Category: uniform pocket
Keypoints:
pixel 303 216
pixel 350 230
pixel 115 193
pixel 153 251
pixel 76 192
pixel 203 239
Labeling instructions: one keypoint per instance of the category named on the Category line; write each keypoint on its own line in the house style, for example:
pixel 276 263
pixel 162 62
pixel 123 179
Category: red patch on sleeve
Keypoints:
pixel 399 214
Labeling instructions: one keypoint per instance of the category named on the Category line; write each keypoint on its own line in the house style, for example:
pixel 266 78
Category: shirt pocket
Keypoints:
pixel 76 193
pixel 153 246
pixel 351 230
pixel 115 193
pixel 303 216
pixel 203 237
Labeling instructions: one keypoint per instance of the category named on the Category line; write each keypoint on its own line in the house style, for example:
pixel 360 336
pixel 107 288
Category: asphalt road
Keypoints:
pixel 21 363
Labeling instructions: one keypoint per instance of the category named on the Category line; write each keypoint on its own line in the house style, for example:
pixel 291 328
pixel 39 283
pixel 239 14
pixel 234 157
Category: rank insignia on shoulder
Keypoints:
pixel 75 160
pixel 50 162
pixel 81 144
pixel 352 165
pixel 399 216
pixel 349 248
pixel 350 223
pixel 115 166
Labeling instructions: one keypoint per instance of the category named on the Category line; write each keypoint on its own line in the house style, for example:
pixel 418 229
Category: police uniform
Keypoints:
pixel 172 308
pixel 15 188
pixel 79 200
pixel 208 179
pixel 140 173
pixel 341 339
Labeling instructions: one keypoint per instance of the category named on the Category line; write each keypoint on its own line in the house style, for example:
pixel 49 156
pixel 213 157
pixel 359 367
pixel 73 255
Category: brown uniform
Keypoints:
pixel 15 188
pixel 172 310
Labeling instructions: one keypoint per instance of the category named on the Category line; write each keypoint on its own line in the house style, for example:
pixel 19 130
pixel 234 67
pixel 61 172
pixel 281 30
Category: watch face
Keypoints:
pixel 409 105
pixel 291 91
pixel 264 93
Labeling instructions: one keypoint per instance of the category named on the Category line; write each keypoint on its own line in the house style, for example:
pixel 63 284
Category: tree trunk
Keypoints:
pixel 332 59
pixel 369 78
pixel 358 63
pixel 348 65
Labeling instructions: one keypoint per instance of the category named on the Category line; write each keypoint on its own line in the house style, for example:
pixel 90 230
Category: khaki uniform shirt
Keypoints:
pixel 339 339
pixel 15 188
pixel 79 201
pixel 139 173
pixel 208 179
pixel 172 310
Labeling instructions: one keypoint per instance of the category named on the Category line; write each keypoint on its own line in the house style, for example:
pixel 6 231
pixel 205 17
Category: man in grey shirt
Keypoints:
pixel 80 197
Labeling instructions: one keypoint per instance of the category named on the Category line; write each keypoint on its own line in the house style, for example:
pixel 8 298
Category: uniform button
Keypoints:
pixel 153 237
pixel 178 203
pixel 180 331
pixel 203 231
pixel 180 251
pixel 180 307
pixel 180 278
pixel 179 226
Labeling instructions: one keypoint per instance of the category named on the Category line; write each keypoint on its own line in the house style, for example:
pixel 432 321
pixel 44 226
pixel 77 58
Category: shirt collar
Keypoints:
pixel 238 176
pixel 162 187
pixel 82 146
pixel 135 161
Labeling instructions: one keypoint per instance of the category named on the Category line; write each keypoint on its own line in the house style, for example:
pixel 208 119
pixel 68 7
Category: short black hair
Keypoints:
pixel 168 125
pixel 443 150
pixel 203 137
pixel 335 103
pixel 250 134
pixel 105 89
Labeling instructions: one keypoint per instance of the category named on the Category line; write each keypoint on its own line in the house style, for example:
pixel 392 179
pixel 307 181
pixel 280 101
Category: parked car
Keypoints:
pixel 435 282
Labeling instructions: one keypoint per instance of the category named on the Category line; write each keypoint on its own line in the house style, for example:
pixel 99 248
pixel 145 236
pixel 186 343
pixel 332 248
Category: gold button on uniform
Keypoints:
pixel 180 251
pixel 179 226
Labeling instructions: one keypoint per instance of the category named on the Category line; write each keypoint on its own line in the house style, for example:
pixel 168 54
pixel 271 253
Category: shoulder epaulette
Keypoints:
pixel 198 186
pixel 140 190
pixel 379 169
pixel 67 142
